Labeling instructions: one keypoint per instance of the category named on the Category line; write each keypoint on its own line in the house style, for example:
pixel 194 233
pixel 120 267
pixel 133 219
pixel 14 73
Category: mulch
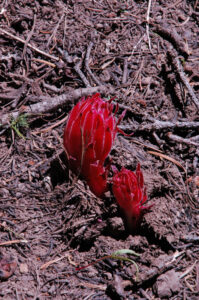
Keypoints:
pixel 57 240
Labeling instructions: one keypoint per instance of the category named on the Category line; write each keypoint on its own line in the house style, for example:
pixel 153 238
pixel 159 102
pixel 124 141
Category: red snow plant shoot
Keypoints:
pixel 128 189
pixel 88 138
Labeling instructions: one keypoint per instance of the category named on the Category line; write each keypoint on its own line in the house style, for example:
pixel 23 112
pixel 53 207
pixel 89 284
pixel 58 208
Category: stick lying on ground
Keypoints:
pixel 48 104
pixel 160 125
pixel 179 68
pixel 2 31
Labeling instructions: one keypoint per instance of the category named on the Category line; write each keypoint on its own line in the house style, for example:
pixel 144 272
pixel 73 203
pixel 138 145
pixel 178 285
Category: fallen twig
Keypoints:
pixel 190 238
pixel 55 30
pixel 188 270
pixel 42 61
pixel 159 125
pixel 171 35
pixel 69 59
pixel 161 155
pixel 127 145
pixel 125 71
pixel 81 74
pixel 178 66
pixel 48 104
pixel 179 139
pixel 8 243
pixel 67 255
pixel 135 46
pixel 87 64
pixel 147 24
pixel 29 35
pixel 49 128
pixel 195 138
pixel 28 45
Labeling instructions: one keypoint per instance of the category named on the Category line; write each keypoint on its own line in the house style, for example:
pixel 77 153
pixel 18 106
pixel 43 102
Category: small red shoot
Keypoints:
pixel 130 193
pixel 88 137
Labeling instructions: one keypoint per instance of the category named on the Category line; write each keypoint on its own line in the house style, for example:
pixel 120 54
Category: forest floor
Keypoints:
pixel 145 55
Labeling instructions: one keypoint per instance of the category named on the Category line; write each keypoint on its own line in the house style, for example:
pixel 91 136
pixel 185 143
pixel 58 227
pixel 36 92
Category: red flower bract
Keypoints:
pixel 88 138
pixel 128 189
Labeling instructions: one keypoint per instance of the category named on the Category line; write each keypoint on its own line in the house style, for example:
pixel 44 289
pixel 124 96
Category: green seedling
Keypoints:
pixel 183 61
pixel 116 255
pixel 19 122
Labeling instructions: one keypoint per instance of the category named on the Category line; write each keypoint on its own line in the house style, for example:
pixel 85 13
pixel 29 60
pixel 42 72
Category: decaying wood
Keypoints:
pixel 160 125
pixel 2 31
pixel 171 35
pixel 48 104
pixel 69 59
pixel 178 67
pixel 180 140
pixel 87 64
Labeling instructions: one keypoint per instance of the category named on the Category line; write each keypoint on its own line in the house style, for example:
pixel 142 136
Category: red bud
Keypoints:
pixel 88 137
pixel 128 189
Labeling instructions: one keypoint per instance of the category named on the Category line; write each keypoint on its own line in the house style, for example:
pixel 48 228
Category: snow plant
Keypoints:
pixel 88 137
pixel 130 193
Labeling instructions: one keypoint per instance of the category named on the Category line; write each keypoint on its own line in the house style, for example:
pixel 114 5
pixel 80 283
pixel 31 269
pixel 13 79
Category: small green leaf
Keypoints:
pixel 20 121
pixel 116 255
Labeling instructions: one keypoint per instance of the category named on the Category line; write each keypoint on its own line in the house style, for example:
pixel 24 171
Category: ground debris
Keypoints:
pixel 167 284
pixel 144 56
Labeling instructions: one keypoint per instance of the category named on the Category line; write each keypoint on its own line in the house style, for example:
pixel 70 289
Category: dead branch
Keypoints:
pixel 147 24
pixel 55 30
pixel 171 35
pixel 160 125
pixel 48 104
pixel 51 87
pixel 195 138
pixel 87 64
pixel 81 74
pixel 178 67
pixel 29 35
pixel 69 59
pixel 179 139
pixel 28 45
pixel 125 71
pixel 135 46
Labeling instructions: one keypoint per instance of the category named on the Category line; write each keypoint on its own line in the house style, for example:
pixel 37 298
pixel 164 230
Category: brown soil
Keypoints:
pixel 152 70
